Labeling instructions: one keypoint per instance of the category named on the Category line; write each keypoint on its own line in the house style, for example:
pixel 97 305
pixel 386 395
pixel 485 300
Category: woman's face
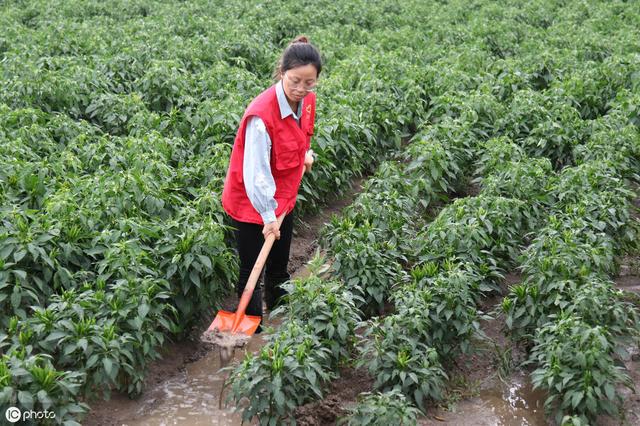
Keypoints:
pixel 299 81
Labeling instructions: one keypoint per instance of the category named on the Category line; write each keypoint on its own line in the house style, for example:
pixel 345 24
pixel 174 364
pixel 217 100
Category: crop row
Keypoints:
pixel 521 135
pixel 372 246
pixel 580 218
pixel 113 237
pixel 115 129
pixel 369 252
pixel 472 241
pixel 458 258
pixel 567 308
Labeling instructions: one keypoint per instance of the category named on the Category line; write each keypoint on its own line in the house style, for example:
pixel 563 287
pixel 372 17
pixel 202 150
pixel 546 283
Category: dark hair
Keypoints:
pixel 298 53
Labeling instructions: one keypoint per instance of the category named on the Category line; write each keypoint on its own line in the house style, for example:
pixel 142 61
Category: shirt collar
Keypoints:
pixel 285 108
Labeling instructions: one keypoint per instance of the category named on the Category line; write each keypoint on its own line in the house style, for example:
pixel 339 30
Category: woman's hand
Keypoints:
pixel 269 228
pixel 308 161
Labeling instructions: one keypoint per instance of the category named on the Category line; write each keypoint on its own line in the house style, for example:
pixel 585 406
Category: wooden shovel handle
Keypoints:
pixel 256 271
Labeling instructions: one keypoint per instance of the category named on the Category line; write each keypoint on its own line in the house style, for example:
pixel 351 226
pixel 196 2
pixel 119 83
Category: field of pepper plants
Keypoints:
pixel 496 137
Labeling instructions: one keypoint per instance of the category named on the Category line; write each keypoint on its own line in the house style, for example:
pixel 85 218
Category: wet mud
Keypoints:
pixel 185 386
pixel 488 387
pixel 512 404
pixel 341 395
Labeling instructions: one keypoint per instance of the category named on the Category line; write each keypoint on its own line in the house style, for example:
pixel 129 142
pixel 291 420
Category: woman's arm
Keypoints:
pixel 256 170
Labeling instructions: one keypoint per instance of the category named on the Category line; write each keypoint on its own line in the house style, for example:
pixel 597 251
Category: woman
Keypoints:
pixel 269 154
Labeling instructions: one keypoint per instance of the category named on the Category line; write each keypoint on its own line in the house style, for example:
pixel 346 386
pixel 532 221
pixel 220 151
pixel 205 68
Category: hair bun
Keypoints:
pixel 300 39
pixel 299 52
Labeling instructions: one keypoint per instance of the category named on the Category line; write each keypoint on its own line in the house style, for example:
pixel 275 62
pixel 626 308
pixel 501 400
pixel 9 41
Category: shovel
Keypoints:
pixel 238 322
pixel 230 324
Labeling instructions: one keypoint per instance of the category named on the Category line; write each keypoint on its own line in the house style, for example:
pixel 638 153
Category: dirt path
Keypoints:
pixel 183 387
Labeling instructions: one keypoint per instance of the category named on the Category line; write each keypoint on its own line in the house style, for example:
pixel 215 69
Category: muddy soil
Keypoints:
pixel 488 387
pixel 341 395
pixel 629 277
pixel 176 378
pixel 477 392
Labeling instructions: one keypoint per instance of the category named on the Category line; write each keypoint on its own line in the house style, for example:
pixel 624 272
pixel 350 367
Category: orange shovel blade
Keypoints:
pixel 224 323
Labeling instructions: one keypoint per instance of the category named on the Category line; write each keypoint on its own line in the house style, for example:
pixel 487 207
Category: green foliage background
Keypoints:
pixel 117 119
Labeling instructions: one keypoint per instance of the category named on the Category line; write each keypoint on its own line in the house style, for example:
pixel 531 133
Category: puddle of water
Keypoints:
pixel 192 397
pixel 515 404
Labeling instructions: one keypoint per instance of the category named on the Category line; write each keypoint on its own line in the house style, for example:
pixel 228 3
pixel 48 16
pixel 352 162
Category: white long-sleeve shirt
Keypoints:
pixel 256 164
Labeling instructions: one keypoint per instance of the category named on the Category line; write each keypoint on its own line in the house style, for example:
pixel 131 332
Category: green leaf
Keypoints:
pixel 194 276
pixel 279 398
pixel 25 399
pixel 143 310
pixel 93 359
pixel 577 397
pixel 20 273
pixel 82 343
pixel 609 391
pixel 6 395
pixel 205 261
pixel 19 255
pixel 16 297
pixel 6 251
pixel 311 376
pixel 44 398
pixel 108 365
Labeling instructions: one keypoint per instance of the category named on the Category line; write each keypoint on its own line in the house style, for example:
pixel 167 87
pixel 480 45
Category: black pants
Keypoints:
pixel 249 239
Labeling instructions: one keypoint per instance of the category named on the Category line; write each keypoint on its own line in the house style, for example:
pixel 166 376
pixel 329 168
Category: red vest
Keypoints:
pixel 289 143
